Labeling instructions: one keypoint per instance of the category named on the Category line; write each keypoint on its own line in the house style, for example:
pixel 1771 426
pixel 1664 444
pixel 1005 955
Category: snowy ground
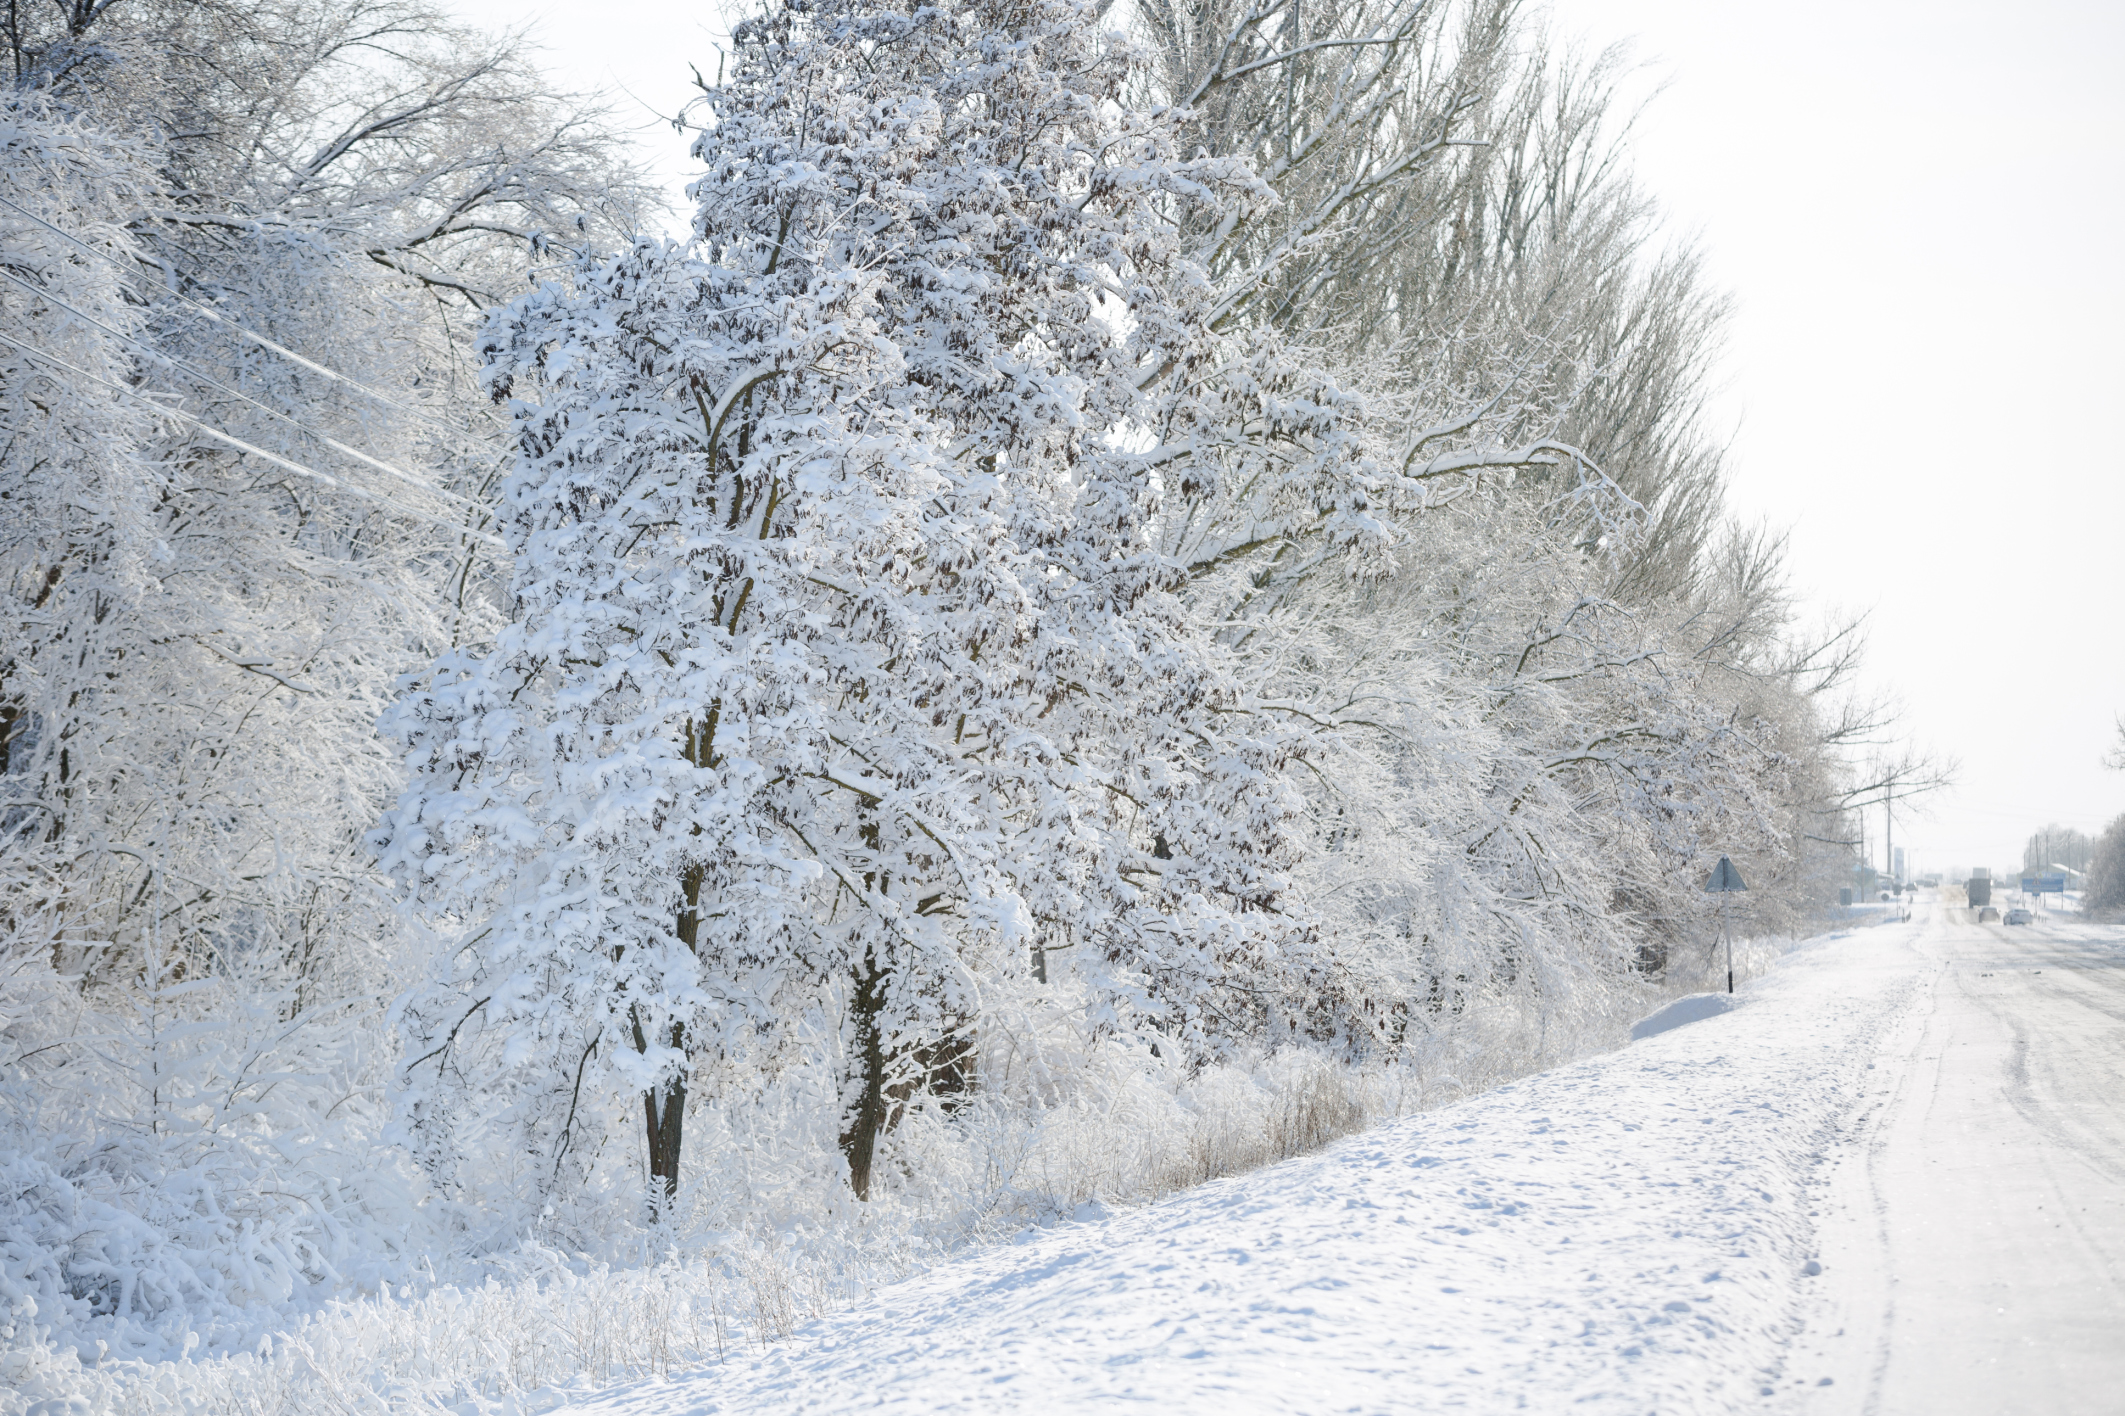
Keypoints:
pixel 1891 1180
pixel 1680 1226
pixel 1887 1178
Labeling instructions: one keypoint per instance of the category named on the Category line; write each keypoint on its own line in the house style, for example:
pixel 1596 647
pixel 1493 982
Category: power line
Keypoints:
pixel 238 443
pixel 148 348
pixel 227 323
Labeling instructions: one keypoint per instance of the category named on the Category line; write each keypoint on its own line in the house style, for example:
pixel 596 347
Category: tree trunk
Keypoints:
pixel 859 1142
pixel 665 1111
pixel 664 1108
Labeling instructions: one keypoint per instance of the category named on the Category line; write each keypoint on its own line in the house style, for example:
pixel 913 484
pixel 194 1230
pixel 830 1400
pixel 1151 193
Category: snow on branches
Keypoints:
pixel 1091 574
pixel 845 669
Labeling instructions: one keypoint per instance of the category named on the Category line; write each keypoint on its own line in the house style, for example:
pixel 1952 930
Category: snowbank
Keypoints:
pixel 1693 1009
pixel 1628 1233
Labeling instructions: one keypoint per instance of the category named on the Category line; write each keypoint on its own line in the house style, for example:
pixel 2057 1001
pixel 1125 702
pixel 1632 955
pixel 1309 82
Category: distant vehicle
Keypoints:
pixel 1988 915
pixel 2016 917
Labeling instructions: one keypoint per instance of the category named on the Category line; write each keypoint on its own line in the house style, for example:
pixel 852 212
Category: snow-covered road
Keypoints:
pixel 1975 1250
pixel 1640 1232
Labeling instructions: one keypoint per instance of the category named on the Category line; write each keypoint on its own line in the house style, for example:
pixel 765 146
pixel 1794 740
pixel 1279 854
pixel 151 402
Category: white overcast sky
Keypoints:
pixel 1919 208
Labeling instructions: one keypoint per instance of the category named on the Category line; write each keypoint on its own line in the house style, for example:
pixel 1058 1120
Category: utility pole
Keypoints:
pixel 1894 782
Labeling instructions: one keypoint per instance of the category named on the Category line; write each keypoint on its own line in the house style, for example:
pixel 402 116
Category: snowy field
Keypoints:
pixel 1638 1232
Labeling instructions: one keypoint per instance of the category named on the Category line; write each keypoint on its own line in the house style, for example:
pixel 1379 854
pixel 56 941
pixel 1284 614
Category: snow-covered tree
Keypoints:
pixel 846 659
pixel 289 201
pixel 1466 246
pixel 239 494
pixel 2105 885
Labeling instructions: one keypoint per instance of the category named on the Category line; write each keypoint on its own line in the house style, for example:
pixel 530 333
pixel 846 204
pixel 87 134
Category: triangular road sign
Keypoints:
pixel 1724 878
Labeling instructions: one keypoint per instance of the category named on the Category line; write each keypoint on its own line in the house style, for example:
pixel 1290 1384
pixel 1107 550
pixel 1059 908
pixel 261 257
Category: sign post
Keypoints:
pixel 1724 880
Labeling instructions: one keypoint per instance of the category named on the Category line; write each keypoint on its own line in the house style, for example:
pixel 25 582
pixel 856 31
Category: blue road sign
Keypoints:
pixel 2043 884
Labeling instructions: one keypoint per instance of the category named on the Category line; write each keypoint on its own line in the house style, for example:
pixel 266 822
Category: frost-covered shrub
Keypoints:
pixel 185 1163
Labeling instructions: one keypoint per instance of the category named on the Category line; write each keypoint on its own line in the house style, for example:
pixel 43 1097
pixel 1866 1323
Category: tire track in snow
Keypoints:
pixel 1977 1253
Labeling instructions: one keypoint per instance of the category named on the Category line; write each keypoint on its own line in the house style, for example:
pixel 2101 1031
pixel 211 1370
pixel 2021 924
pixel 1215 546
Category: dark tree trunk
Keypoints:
pixel 859 1141
pixel 665 1111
